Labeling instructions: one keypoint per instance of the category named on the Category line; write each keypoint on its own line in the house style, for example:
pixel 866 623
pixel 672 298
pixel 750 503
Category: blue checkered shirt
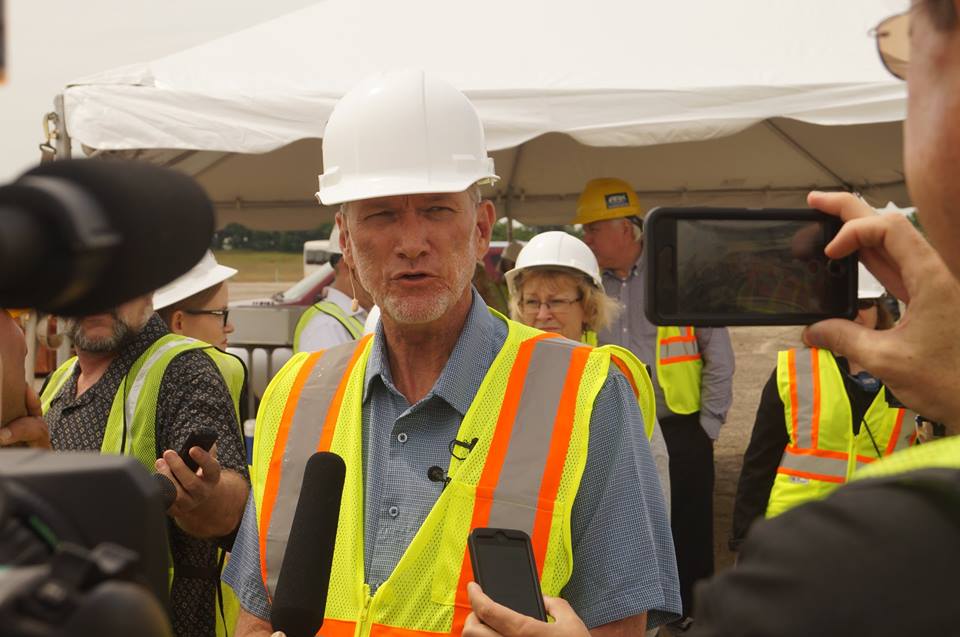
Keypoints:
pixel 623 559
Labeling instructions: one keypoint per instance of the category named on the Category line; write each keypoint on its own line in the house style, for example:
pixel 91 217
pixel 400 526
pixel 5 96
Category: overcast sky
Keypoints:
pixel 50 42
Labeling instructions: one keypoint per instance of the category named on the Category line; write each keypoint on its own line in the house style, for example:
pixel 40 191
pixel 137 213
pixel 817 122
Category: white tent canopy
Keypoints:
pixel 695 102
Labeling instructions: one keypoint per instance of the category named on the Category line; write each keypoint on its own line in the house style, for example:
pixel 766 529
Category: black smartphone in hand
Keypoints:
pixel 740 266
pixel 504 567
pixel 203 438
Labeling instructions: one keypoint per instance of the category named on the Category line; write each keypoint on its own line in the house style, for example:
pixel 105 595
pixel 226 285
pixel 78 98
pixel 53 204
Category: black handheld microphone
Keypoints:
pixel 82 236
pixel 168 490
pixel 301 595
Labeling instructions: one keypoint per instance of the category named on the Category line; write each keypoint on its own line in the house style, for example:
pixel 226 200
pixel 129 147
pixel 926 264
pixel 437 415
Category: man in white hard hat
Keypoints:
pixel 197 305
pixel 448 418
pixel 339 315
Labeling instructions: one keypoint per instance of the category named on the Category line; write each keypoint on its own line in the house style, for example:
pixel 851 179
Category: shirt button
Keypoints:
pixel 402 437
pixel 393 511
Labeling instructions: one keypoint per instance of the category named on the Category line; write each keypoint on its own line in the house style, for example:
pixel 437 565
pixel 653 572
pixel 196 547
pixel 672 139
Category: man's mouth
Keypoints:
pixel 411 276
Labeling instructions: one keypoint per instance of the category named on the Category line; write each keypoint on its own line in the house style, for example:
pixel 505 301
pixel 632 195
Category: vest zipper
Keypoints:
pixel 362 628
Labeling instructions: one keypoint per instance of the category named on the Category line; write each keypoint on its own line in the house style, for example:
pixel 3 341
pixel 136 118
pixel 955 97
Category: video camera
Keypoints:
pixel 83 546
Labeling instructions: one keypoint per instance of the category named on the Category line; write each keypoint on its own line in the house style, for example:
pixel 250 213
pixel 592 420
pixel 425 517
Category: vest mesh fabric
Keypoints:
pixel 268 423
pixel 679 380
pixel 423 593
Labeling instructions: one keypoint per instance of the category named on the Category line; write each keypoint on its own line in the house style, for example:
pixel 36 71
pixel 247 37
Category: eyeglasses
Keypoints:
pixel 224 313
pixel 893 43
pixel 866 304
pixel 531 307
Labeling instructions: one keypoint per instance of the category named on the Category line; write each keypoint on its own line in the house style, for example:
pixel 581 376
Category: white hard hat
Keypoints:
pixel 373 317
pixel 205 274
pixel 402 133
pixel 867 285
pixel 333 243
pixel 558 250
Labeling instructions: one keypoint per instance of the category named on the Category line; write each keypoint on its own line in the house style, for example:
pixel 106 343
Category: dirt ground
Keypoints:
pixel 756 351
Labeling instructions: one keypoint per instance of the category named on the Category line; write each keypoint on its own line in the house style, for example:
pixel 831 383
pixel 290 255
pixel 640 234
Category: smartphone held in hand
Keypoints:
pixel 740 266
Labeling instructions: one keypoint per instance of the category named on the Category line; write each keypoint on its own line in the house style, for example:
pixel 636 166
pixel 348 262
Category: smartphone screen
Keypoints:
pixel 757 267
pixel 503 565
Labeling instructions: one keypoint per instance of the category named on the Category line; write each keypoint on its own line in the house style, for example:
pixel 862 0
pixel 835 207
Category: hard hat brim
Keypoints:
pixel 376 187
pixel 182 289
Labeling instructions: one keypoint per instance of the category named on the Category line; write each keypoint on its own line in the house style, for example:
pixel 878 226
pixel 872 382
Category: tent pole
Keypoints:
pixel 61 138
pixel 509 192
pixel 806 153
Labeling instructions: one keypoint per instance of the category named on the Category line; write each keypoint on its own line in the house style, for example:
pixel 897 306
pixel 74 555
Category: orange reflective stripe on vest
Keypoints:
pixel 680 349
pixel 317 389
pixel 490 478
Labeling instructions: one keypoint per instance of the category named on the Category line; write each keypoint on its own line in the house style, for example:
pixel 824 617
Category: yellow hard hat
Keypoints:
pixel 607 198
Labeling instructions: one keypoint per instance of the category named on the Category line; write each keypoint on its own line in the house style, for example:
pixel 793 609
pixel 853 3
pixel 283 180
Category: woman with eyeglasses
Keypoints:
pixel 556 287
pixel 196 305
pixel 820 418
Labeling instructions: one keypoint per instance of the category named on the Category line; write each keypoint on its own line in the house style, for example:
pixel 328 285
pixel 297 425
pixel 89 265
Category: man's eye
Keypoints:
pixel 439 209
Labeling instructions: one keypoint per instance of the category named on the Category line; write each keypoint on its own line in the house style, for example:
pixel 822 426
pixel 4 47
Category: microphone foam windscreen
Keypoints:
pixel 164 221
pixel 301 595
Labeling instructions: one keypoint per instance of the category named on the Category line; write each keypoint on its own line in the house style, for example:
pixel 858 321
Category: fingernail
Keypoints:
pixel 5 434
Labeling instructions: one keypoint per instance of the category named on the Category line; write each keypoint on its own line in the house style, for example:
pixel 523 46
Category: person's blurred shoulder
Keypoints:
pixel 878 557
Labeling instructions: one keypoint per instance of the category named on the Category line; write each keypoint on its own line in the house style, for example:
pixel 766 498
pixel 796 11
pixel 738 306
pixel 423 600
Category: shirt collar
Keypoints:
pixel 465 369
pixel 637 269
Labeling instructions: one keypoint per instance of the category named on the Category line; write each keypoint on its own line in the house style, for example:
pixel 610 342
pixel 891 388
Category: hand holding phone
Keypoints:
pixel 504 567
pixel 203 438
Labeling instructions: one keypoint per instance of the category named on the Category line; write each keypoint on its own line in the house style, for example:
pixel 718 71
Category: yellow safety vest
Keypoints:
pixel 679 366
pixel 531 419
pixel 353 326
pixel 823 453
pixel 132 423
pixel 937 454
pixel 234 374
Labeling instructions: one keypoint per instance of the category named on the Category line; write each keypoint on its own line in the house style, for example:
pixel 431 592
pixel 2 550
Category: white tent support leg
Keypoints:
pixel 64 151
pixel 508 192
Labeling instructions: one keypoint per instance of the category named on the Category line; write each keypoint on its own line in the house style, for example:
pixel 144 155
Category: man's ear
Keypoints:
pixel 345 246
pixel 176 321
pixel 486 217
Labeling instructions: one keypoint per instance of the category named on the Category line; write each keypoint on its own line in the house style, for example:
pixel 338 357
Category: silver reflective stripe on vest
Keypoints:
pixel 678 348
pixel 816 466
pixel 304 435
pixel 803 372
pixel 133 395
pixel 908 429
pixel 518 486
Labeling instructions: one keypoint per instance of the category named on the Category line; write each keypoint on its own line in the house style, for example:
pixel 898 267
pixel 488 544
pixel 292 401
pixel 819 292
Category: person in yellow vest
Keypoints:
pixel 339 315
pixel 449 417
pixel 555 286
pixel 692 372
pixel 197 305
pixel 136 389
pixel 820 418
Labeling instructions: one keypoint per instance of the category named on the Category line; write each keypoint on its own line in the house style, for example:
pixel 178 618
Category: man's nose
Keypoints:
pixel 413 235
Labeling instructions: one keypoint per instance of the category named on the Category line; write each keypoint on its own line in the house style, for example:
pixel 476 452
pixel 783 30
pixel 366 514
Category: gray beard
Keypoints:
pixel 122 333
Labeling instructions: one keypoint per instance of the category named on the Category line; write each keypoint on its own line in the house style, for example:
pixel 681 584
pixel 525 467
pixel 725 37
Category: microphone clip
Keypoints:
pixel 460 443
